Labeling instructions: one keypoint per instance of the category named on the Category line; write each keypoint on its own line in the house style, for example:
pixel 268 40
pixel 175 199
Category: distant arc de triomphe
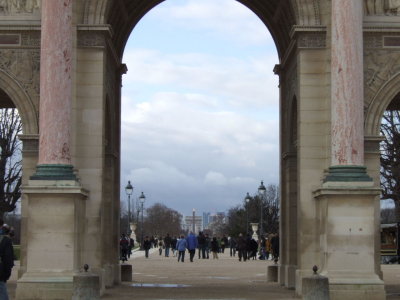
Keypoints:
pixel 61 66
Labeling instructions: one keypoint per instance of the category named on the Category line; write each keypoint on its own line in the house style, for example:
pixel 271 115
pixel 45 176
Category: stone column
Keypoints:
pixel 346 202
pixel 347 96
pixel 55 200
pixel 55 91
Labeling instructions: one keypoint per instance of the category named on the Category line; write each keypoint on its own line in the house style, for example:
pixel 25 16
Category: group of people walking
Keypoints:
pixel 246 247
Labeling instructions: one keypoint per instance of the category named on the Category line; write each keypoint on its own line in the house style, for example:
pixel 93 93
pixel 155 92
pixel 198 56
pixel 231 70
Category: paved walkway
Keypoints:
pixel 163 278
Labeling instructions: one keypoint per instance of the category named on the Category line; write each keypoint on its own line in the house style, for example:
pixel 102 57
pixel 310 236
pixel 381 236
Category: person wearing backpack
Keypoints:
pixel 6 259
pixel 124 246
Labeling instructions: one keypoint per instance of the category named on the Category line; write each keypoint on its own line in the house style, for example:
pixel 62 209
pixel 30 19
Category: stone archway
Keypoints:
pixel 326 174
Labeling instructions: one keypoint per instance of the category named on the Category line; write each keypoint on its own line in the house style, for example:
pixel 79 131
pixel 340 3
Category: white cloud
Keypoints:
pixel 241 81
pixel 215 178
pixel 197 130
pixel 225 18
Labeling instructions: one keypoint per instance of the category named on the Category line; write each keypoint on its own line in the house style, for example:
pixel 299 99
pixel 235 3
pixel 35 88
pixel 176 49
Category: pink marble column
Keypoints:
pixel 55 82
pixel 347 83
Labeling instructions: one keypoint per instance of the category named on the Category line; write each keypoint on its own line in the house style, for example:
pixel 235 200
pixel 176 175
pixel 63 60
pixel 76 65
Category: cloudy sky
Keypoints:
pixel 200 106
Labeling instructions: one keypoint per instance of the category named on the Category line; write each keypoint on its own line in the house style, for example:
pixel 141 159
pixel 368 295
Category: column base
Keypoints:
pixel 347 174
pixel 54 253
pixel 45 285
pixel 54 172
pixel 290 276
pixel 350 289
pixel 111 277
pixel 347 231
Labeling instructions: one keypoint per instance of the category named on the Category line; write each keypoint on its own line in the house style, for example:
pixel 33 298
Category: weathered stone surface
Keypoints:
pixel 315 287
pixel 86 286
pixel 126 272
pixel 272 273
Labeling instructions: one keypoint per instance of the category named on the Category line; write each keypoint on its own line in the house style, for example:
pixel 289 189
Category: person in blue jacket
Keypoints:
pixel 181 245
pixel 191 245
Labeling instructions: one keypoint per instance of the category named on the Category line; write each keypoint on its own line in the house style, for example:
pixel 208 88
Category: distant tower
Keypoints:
pixel 194 221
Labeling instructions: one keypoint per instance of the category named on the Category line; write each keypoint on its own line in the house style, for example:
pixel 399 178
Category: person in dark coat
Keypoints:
pixel 232 246
pixel 242 247
pixel 201 241
pixel 146 246
pixel 214 248
pixel 253 249
pixel 7 259
pixel 124 247
pixel 167 244
pixel 224 243
pixel 248 246
pixel 207 245
pixel 173 245
pixel 131 246
pixel 275 246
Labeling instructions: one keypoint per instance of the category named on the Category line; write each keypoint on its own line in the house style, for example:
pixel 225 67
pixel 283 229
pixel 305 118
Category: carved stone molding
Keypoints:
pixel 311 40
pixel 91 39
pixel 23 65
pixel 30 143
pixel 17 38
pixel 309 36
pixel 371 144
pixel 30 39
pixel 379 67
pixel 382 7
pixel 372 41
pixel 19 7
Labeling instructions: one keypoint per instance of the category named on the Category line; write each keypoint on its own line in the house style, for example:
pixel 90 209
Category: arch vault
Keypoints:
pixel 333 76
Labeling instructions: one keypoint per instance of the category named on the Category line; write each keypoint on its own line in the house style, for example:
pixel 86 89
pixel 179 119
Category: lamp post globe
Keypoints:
pixel 247 199
pixel 261 193
pixel 129 191
pixel 142 198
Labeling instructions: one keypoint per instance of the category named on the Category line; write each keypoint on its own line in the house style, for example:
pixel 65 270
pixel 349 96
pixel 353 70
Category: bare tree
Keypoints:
pixel 10 159
pixel 271 209
pixel 218 226
pixel 390 159
pixel 161 220
pixel 240 217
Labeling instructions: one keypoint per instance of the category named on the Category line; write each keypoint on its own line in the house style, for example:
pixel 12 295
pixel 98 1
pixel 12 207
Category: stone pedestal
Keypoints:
pixel 133 227
pixel 272 273
pixel 86 286
pixel 126 272
pixel 254 227
pixel 315 287
pixel 347 230
pixel 56 216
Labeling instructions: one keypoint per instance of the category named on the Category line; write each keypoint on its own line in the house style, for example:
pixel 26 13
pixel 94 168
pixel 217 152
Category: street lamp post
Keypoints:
pixel 142 198
pixel 261 193
pixel 129 191
pixel 247 199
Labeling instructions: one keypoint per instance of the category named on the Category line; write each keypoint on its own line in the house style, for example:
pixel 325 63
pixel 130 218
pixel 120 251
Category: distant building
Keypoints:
pixel 219 216
pixel 206 219
pixel 188 224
